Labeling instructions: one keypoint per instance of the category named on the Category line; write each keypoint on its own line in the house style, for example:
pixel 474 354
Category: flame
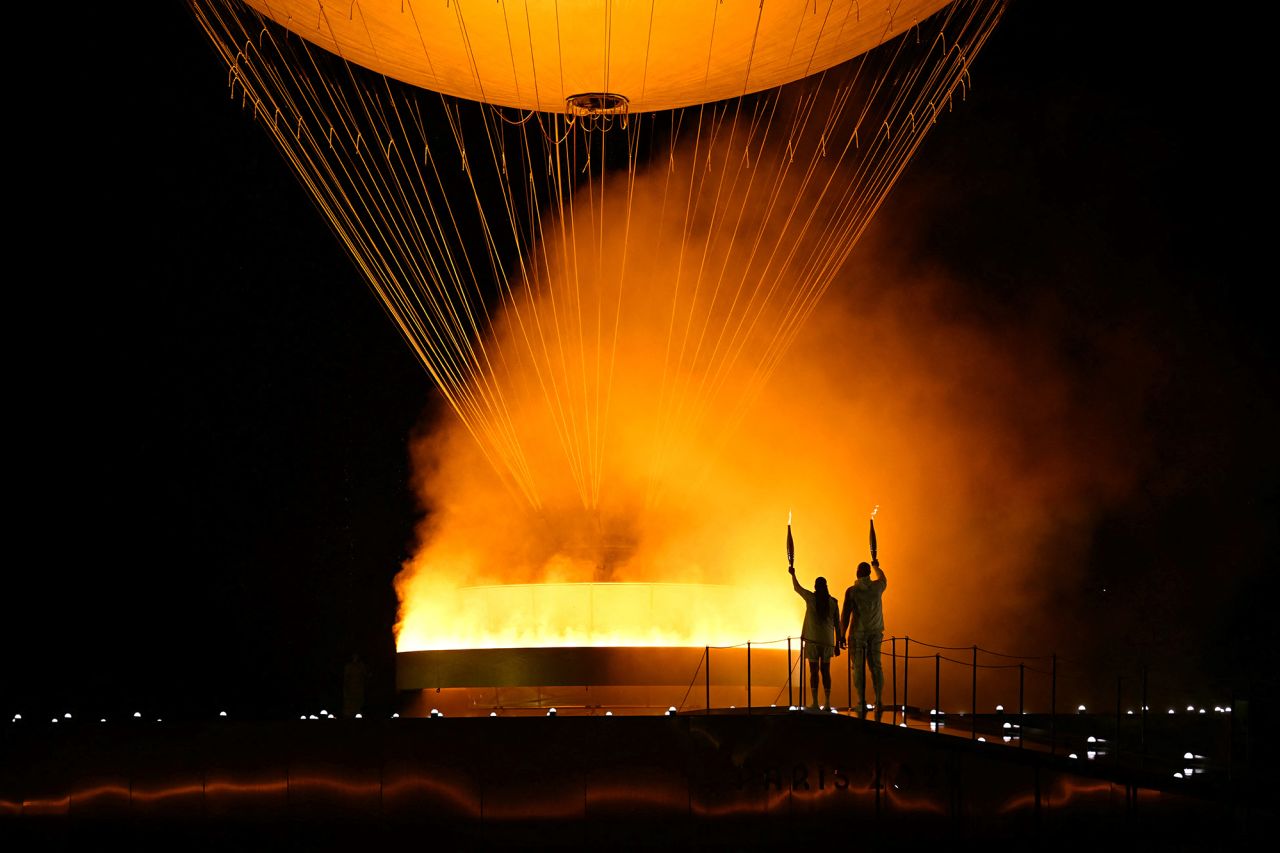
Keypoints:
pixel 595 614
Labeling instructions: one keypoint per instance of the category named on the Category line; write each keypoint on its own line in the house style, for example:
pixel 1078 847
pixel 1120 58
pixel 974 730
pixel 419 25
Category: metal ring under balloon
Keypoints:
pixel 597 109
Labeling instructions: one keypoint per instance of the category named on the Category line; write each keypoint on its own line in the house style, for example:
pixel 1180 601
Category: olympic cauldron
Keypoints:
pixel 593 648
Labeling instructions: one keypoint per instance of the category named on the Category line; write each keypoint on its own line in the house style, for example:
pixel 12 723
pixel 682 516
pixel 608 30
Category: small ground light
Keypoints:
pixel 551 712
pixel 222 713
pixel 1170 710
pixel 303 717
pixel 137 713
pixel 312 717
pixel 982 740
pixel 1177 775
pixel 395 716
pixel 1130 713
pixel 67 715
pixel 1091 754
pixel 1073 755
pixel 1202 710
pixel 608 713
pixel 1188 756
pixel 1080 709
pixel 1191 707
pixel 103 720
pixel 17 716
pixel 1227 709
pixel 1092 739
pixel 1007 738
pixel 55 719
pixel 1000 709
pixel 493 713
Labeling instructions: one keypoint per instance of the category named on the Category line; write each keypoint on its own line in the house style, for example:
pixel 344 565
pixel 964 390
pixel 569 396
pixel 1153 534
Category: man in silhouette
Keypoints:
pixel 862 622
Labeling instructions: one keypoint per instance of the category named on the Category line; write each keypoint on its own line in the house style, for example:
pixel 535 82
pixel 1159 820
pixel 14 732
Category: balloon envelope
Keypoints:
pixel 658 54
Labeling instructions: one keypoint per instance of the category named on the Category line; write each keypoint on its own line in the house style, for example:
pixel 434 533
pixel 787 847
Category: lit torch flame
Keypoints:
pixel 873 532
pixel 791 545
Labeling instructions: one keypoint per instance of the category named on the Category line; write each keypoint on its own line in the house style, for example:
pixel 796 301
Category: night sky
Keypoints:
pixel 211 415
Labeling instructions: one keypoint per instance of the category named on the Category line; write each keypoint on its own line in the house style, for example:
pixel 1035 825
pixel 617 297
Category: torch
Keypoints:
pixel 873 532
pixel 791 546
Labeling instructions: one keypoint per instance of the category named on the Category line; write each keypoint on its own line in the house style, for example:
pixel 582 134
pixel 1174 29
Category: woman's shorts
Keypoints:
pixel 818 651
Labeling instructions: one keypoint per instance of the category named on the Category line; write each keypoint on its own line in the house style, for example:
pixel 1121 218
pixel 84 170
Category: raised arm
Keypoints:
pixel 795 583
pixel 884 582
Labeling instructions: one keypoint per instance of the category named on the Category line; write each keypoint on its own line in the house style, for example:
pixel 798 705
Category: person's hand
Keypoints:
pixel 875 563
pixel 791 569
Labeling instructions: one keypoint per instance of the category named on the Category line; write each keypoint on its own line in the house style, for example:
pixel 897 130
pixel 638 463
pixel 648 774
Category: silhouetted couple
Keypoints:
pixel 828 628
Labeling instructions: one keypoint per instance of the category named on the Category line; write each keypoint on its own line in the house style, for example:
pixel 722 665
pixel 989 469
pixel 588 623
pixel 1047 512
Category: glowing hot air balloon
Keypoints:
pixel 650 55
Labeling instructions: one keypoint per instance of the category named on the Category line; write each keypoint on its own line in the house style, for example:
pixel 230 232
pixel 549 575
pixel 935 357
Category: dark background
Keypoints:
pixel 211 415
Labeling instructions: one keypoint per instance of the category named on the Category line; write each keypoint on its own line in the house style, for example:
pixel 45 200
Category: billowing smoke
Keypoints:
pixel 660 454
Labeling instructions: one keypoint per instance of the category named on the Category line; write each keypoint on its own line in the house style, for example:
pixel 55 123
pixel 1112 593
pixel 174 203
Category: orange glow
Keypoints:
pixel 1064 790
pixel 923 803
pixel 979 446
pixel 532 55
pixel 102 791
pixel 651 346
pixel 596 614
pixel 335 784
pixel 666 795
pixel 44 807
pixel 414 787
pixel 166 792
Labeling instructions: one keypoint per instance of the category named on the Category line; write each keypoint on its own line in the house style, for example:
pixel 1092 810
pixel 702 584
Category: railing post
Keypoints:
pixel 906 673
pixel 937 689
pixel 1231 734
pixel 1116 746
pixel 748 677
pixel 1022 675
pixel 707 652
pixel 893 658
pixel 789 698
pixel 849 677
pixel 1142 736
pixel 800 688
pixel 1053 706
pixel 973 698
